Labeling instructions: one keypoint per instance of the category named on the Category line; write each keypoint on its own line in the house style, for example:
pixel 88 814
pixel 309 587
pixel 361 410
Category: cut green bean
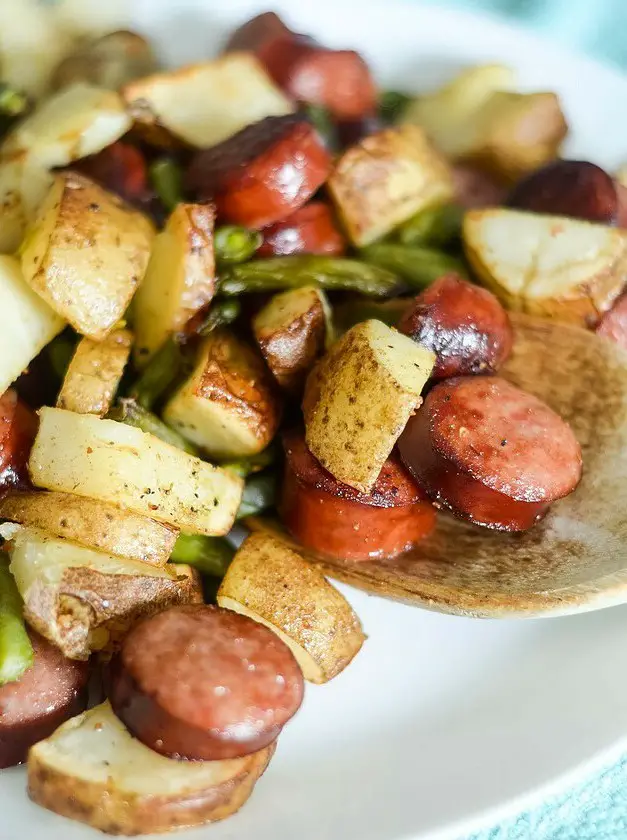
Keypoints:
pixel 162 370
pixel 130 412
pixel 418 267
pixel 210 555
pixel 233 244
pixel 221 314
pixel 392 105
pixel 167 181
pixel 281 273
pixel 352 312
pixel 435 226
pixel 243 467
pixel 16 650
pixel 322 120
pixel 260 492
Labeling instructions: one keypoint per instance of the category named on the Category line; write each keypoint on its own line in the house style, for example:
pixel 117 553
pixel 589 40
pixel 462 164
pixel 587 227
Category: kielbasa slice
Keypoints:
pixel 50 692
pixel 121 169
pixel 201 682
pixel 490 452
pixel 474 188
pixel 310 230
pixel 336 520
pixel 18 427
pixel 613 324
pixel 465 326
pixel 263 173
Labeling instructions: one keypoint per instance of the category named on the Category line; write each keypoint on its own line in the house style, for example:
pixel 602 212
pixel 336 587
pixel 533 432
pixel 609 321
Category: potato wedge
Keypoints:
pixel 292 331
pixel 24 184
pixel 94 524
pixel 78 121
pixel 86 254
pixel 30 323
pixel 92 770
pixel 549 266
pixel 83 600
pixel 478 117
pixel 385 179
pixel 94 374
pixel 101 459
pixel 203 104
pixel 359 397
pixel 228 406
pixel 272 584
pixel 180 278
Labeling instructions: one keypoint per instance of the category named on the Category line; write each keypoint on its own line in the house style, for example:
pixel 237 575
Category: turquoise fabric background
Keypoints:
pixel 596 809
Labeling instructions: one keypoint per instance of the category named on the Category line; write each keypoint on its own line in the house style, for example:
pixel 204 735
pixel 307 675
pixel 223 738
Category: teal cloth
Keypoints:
pixel 596 808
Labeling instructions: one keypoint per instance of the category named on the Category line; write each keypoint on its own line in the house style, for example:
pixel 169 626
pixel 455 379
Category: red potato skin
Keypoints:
pixel 202 683
pixel 490 453
pixel 262 174
pixel 51 691
pixel 18 427
pixel 464 325
pixel 613 324
pixel 337 521
pixel 310 230
pixel 475 189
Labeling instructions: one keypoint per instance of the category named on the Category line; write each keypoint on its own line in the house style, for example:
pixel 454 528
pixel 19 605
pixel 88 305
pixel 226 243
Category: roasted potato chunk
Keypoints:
pixel 94 374
pixel 549 266
pixel 385 179
pixel 292 331
pixel 92 770
pixel 478 117
pixel 101 459
pixel 359 397
pixel 110 61
pixel 83 600
pixel 30 323
pixel 86 254
pixel 24 184
pixel 94 524
pixel 203 104
pixel 180 278
pixel 228 406
pixel 272 584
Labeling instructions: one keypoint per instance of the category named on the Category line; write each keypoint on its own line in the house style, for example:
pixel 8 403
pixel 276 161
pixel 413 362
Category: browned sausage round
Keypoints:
pixel 259 35
pixel 18 427
pixel 204 683
pixel 613 324
pixel 339 521
pixel 490 452
pixel 475 188
pixel 465 326
pixel 263 173
pixel 310 230
pixel 575 188
pixel 120 168
pixel 50 692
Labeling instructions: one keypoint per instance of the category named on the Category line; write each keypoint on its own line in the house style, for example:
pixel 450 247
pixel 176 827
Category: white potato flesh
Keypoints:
pixel 179 280
pixel 102 459
pixel 204 104
pixel 28 326
pixel 92 769
pixel 23 186
pixel 78 121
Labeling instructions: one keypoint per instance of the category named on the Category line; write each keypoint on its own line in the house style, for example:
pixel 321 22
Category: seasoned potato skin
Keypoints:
pixel 86 254
pixel 385 179
pixel 292 331
pixel 272 583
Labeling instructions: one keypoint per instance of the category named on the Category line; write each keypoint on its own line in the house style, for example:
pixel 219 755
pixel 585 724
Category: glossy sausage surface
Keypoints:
pixel 18 427
pixel 312 229
pixel 204 683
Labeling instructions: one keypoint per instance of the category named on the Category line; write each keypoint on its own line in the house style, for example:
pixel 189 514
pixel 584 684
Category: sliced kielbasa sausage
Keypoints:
pixel 310 230
pixel 18 427
pixel 50 692
pixel 474 188
pixel 204 683
pixel 263 173
pixel 120 168
pixel 490 452
pixel 613 324
pixel 465 326
pixel 336 520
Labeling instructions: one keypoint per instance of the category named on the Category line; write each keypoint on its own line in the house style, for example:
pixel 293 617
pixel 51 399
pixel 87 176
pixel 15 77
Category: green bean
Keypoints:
pixel 13 106
pixel 16 651
pixel 281 273
pixel 167 181
pixel 210 555
pixel 352 312
pixel 322 120
pixel 418 267
pixel 260 493
pixel 221 314
pixel 130 412
pixel 254 463
pixel 435 226
pixel 392 105
pixel 233 244
pixel 162 370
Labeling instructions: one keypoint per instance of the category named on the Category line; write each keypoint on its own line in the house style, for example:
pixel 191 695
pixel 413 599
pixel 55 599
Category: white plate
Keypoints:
pixel 442 723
